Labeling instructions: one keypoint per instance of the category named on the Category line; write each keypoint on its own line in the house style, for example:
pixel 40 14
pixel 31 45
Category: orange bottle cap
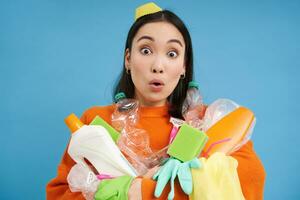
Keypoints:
pixel 73 122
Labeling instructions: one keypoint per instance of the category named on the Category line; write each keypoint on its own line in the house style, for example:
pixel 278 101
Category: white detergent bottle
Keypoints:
pixel 94 143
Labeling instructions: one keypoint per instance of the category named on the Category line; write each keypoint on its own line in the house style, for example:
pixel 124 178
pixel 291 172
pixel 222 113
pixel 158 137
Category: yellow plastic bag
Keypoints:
pixel 217 179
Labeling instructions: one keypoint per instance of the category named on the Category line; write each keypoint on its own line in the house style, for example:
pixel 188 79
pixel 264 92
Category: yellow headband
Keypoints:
pixel 146 9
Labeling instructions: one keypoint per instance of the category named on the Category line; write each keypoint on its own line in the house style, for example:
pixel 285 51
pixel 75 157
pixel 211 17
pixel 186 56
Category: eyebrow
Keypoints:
pixel 152 39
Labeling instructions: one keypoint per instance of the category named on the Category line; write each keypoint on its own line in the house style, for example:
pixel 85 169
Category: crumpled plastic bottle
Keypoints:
pixel 192 106
pixel 133 141
pixel 126 112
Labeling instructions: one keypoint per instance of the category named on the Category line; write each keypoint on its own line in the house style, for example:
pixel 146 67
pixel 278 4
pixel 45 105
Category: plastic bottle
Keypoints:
pixel 133 142
pixel 193 105
pixel 126 112
pixel 94 143
pixel 73 122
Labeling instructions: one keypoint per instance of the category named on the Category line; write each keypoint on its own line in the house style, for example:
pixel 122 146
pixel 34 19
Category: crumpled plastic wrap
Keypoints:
pixel 82 179
pixel 216 111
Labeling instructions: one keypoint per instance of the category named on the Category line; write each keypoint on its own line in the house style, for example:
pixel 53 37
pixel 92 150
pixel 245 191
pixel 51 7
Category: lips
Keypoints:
pixel 156 82
pixel 156 85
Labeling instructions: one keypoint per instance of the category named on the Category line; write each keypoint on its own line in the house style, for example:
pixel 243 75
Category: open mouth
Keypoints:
pixel 156 83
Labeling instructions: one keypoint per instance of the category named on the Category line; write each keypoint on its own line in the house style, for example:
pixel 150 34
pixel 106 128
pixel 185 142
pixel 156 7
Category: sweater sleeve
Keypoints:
pixel 250 170
pixel 58 187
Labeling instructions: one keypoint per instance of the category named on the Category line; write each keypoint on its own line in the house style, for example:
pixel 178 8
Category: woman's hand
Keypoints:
pixel 135 190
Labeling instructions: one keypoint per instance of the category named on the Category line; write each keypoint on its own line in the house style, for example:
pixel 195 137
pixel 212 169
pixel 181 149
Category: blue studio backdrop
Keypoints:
pixel 63 56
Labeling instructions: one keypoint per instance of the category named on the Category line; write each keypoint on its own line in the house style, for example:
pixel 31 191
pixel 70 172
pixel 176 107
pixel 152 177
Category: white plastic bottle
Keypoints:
pixel 94 143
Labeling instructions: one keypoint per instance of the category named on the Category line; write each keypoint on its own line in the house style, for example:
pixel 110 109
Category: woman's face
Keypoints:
pixel 156 62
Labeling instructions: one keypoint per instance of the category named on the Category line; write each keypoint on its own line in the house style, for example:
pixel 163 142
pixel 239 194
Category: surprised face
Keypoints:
pixel 156 62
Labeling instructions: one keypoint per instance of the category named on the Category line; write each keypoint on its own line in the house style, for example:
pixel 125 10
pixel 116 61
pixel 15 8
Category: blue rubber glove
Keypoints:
pixel 185 176
pixel 170 170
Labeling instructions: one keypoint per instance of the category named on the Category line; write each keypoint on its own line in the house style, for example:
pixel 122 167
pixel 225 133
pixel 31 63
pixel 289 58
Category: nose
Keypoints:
pixel 157 67
pixel 157 70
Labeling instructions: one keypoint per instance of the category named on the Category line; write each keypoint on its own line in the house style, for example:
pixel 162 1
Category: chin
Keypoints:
pixel 156 100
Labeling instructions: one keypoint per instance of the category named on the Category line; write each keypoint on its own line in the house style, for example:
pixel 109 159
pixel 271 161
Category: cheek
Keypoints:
pixel 138 72
pixel 138 64
pixel 177 67
pixel 176 71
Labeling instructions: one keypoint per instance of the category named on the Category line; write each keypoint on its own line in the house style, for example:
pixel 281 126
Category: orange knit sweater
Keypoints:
pixel 156 121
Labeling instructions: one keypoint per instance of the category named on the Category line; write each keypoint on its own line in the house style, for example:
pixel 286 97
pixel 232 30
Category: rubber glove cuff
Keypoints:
pixel 114 189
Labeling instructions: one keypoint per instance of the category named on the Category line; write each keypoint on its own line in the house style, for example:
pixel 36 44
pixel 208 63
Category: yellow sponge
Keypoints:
pixel 146 9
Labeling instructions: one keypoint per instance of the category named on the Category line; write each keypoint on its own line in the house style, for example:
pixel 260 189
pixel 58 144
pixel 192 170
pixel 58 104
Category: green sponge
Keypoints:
pixel 188 143
pixel 113 132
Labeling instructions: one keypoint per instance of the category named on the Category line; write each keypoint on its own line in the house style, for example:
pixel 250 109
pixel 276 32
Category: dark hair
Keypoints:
pixel 177 97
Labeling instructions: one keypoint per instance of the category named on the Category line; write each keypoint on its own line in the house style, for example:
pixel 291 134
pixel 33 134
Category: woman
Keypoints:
pixel 158 66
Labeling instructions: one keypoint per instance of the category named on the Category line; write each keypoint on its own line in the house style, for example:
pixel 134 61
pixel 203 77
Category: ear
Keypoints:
pixel 127 58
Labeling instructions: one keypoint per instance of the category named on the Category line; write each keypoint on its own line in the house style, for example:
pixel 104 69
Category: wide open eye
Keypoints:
pixel 146 51
pixel 172 54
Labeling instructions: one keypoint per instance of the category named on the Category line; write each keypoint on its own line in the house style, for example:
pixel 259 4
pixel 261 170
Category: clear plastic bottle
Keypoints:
pixel 133 141
pixel 193 105
pixel 126 112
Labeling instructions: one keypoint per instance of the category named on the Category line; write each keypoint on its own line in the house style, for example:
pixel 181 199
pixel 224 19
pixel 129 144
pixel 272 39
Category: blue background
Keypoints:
pixel 63 56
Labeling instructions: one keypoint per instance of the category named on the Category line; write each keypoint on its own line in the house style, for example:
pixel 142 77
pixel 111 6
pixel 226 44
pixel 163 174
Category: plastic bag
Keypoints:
pixel 216 111
pixel 82 179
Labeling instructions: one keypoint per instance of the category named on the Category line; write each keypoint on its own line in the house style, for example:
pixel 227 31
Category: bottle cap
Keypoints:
pixel 73 122
pixel 193 84
pixel 119 96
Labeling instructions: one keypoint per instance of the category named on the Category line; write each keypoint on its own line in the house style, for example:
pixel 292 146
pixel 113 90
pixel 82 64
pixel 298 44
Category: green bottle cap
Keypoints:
pixel 193 84
pixel 119 96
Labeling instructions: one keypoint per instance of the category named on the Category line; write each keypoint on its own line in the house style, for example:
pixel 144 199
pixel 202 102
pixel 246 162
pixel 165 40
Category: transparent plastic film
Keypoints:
pixel 216 111
pixel 81 179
